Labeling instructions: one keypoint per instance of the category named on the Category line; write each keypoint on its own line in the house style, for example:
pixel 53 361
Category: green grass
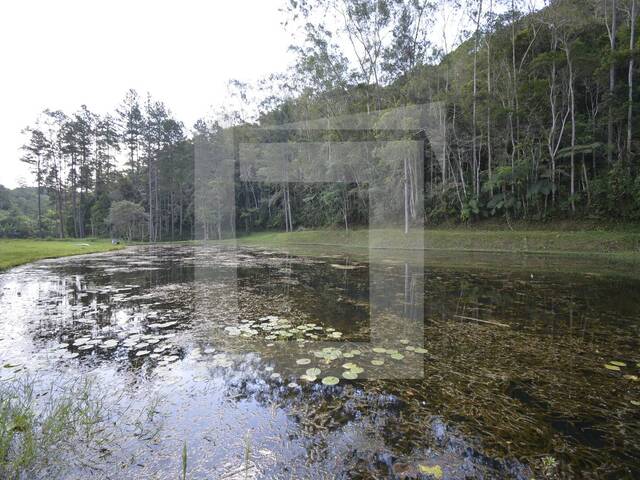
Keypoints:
pixel 37 431
pixel 18 252
pixel 625 243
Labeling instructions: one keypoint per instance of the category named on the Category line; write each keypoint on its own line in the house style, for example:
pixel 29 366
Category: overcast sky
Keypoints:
pixel 61 54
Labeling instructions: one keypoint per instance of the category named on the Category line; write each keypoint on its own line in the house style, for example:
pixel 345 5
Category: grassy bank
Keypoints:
pixel 623 243
pixel 17 252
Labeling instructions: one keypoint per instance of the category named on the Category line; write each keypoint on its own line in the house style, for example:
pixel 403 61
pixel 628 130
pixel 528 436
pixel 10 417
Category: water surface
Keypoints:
pixel 209 346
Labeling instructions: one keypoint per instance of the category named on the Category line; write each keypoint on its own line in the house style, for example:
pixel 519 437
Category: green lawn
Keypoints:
pixel 17 252
pixel 522 241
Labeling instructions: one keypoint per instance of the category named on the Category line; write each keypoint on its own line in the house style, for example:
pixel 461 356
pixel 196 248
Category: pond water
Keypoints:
pixel 270 364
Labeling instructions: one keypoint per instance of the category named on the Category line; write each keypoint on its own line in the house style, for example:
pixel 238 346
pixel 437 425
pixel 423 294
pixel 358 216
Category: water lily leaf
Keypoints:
pixel 617 363
pixel 313 372
pixel 344 267
pixel 634 402
pixel 308 378
pixel 140 353
pixel 404 341
pixel 349 365
pixel 166 324
pixel 330 380
pixel 109 344
pixel 275 376
pixel 434 470
pixel 379 350
pixel 377 362
pixel 615 368
pixel 397 356
pixel 420 350
pixel 633 378
pixel 356 370
pixel 303 361
pixel 350 375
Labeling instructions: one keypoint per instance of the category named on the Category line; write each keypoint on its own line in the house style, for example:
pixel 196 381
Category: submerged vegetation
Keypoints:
pixel 273 364
pixel 42 426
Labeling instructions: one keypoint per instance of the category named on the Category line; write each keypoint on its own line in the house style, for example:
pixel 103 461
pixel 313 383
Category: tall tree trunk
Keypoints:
pixel 474 154
pixel 150 200
pixel 515 138
pixel 489 149
pixel 406 196
pixel 632 43
pixel 612 77
pixel 572 100
pixel 39 179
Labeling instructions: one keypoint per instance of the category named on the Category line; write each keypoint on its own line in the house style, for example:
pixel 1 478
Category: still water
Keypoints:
pixel 269 364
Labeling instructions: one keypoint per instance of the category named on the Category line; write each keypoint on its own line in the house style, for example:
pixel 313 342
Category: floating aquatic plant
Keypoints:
pixel 330 380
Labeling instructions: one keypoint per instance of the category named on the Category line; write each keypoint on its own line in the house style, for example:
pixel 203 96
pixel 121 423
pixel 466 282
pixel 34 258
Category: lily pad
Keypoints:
pixel 330 380
pixel 141 353
pixel 343 267
pixel 308 378
pixel 397 356
pixel 303 361
pixel 618 363
pixel 349 375
pixel 109 344
pixel 434 470
pixel 615 368
pixel 420 350
pixel 313 372
pixel 377 362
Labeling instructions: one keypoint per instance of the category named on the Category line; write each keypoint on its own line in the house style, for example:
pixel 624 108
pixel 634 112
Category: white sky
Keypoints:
pixel 63 53
pixel 60 54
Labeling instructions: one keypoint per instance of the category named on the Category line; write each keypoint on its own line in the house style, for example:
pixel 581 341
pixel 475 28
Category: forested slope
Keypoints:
pixel 538 112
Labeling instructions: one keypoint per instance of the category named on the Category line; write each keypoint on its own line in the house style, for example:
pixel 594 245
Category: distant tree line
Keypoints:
pixel 538 112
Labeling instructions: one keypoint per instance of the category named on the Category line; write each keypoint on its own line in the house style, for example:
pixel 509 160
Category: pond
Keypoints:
pixel 254 363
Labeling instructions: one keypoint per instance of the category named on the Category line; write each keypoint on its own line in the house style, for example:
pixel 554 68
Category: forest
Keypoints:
pixel 538 113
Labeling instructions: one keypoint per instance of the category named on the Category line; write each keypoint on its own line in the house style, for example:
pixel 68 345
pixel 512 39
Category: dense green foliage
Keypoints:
pixel 537 112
